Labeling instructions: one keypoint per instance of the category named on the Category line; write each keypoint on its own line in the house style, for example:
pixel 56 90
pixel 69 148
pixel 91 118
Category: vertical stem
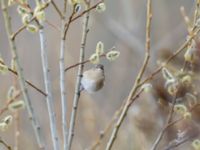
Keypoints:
pixel 62 86
pixel 47 83
pixel 32 117
pixel 78 81
pixel 49 97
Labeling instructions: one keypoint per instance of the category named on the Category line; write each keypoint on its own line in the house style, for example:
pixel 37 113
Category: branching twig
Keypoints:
pixel 72 18
pixel 135 86
pixel 66 25
pixel 13 35
pixel 183 46
pixel 78 81
pixel 177 142
pixel 52 25
pixel 28 82
pixel 57 9
pixel 5 108
pixel 27 100
pixel 81 63
pixel 121 119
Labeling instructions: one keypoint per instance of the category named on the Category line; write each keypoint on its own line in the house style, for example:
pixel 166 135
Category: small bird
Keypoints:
pixel 93 79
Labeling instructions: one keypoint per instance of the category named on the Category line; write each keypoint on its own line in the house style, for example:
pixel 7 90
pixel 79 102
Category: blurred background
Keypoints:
pixel 122 25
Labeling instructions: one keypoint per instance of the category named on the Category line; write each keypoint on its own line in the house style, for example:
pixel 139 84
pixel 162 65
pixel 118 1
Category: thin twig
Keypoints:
pixel 196 13
pixel 169 118
pixel 28 82
pixel 5 144
pixel 27 100
pixel 52 25
pixel 72 18
pixel 158 69
pixel 182 117
pixel 151 76
pixel 5 108
pixel 66 26
pixel 177 142
pixel 181 138
pixel 13 35
pixel 87 10
pixel 121 119
pixel 47 84
pixel 81 63
pixel 78 81
pixel 138 78
pixel 178 120
pixel 57 9
pixel 177 52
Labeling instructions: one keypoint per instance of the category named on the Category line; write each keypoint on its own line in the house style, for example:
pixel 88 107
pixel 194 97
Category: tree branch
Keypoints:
pixel 27 100
pixel 78 81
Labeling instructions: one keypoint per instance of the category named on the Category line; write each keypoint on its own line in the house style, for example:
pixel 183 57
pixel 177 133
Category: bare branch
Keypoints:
pixel 78 81
pixel 27 100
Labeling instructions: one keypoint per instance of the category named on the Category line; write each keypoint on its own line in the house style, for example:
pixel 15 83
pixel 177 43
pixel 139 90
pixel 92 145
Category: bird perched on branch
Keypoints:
pixel 93 79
